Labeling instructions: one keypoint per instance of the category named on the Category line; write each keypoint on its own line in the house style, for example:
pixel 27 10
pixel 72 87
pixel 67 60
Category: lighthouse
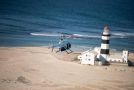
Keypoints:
pixel 101 56
pixel 104 51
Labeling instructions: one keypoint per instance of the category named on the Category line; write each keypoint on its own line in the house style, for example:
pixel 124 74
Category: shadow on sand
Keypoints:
pixel 130 63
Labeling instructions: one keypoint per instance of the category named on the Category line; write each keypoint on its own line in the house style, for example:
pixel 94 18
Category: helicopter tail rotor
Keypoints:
pixel 52 48
pixel 51 45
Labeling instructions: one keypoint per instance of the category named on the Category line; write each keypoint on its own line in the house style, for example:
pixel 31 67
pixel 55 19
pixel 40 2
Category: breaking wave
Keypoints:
pixel 46 34
pixel 113 35
pixel 65 35
pixel 122 35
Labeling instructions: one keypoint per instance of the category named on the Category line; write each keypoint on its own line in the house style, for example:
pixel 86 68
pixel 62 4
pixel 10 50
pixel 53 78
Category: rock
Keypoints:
pixel 23 80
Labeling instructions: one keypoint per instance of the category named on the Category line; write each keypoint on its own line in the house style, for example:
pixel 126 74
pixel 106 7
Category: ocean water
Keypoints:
pixel 39 22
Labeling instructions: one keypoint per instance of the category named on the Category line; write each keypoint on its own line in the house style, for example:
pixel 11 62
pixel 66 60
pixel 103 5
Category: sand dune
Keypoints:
pixel 36 68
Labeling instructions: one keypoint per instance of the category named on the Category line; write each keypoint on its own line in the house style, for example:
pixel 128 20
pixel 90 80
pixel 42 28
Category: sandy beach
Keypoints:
pixel 36 68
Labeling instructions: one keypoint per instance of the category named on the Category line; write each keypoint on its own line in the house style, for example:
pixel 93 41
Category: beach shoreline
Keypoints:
pixel 37 68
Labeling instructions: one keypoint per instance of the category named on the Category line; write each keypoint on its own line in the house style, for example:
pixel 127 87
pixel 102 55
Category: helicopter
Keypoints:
pixel 62 45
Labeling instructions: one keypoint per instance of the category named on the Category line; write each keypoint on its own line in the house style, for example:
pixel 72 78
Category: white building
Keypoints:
pixel 89 57
pixel 118 57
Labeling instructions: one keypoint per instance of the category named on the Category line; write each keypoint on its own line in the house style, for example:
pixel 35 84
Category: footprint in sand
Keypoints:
pixel 5 80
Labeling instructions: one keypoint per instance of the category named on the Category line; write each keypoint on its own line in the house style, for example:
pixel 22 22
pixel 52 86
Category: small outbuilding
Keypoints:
pixel 88 57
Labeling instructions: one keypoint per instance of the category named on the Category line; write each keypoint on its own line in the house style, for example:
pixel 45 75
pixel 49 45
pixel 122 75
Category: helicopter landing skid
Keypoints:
pixel 70 51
